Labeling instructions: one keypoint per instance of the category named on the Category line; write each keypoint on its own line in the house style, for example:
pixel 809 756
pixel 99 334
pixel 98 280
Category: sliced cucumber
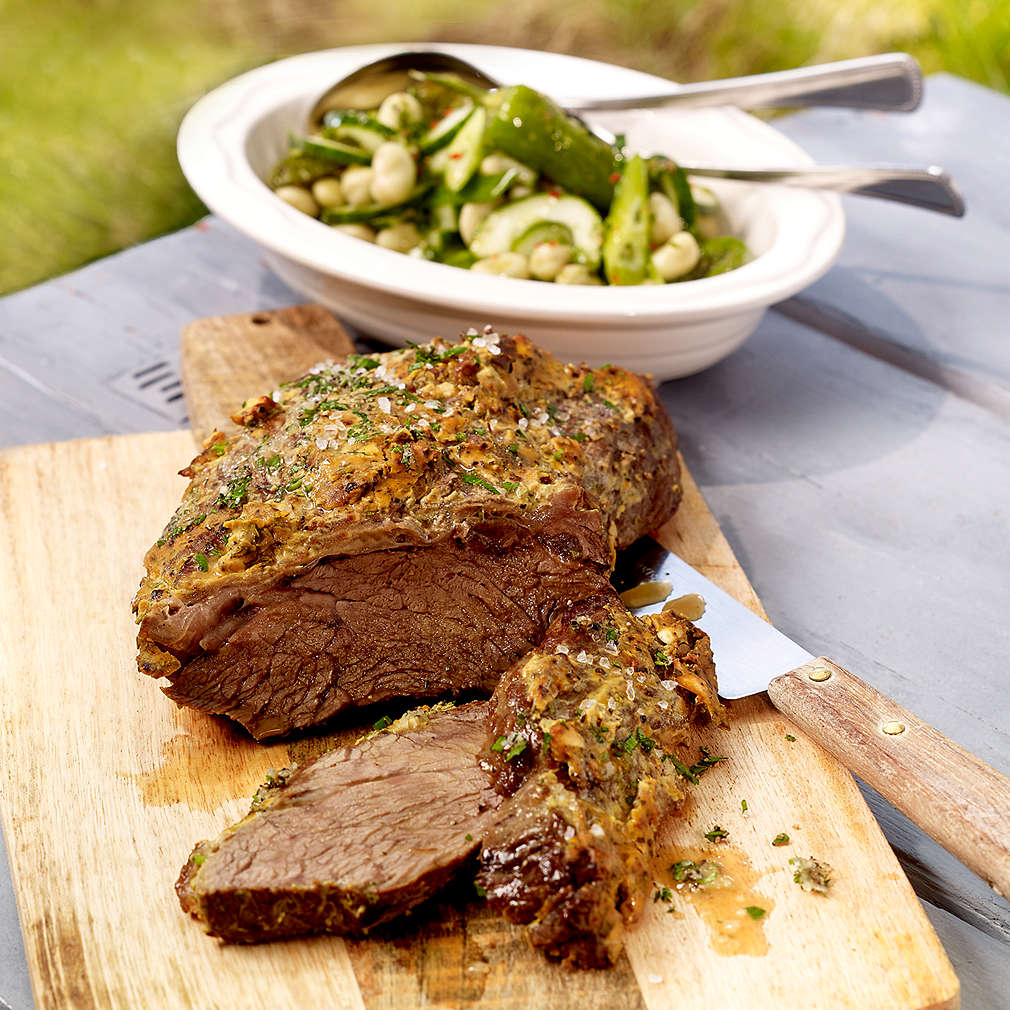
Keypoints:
pixel 368 138
pixel 336 151
pixel 446 128
pixel 543 231
pixel 370 211
pixel 480 189
pixel 466 150
pixel 507 225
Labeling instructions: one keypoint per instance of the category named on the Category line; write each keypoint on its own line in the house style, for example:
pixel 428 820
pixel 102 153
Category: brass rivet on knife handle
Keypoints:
pixel 951 794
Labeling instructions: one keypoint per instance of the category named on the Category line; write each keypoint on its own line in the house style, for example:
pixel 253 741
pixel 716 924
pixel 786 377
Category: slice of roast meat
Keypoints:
pixel 398 525
pixel 353 840
pixel 560 781
pixel 585 733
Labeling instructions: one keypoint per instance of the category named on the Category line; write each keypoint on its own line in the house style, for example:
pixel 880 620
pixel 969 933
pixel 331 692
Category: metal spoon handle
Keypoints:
pixel 931 188
pixel 891 82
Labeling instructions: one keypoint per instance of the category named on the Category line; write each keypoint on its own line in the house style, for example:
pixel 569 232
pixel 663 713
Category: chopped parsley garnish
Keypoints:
pixel 663 894
pixel 379 390
pixel 513 448
pixel 600 732
pixel 472 478
pixel 781 839
pixel 481 893
pixel 580 437
pixel 790 738
pixel 662 659
pixel 545 745
pixel 201 561
pixel 588 383
pixel 362 361
pixel 509 485
pixel 428 356
pixel 219 448
pixel 637 739
pixel 272 463
pixel 717 834
pixel 198 859
pixel 692 774
pixel 754 911
pixel 611 634
pixel 515 750
pixel 382 723
pixel 743 806
pixel 308 415
pixel 695 874
pixel 235 493
pixel 468 838
pixel 509 744
pixel 612 406
pixel 559 455
pixel 811 874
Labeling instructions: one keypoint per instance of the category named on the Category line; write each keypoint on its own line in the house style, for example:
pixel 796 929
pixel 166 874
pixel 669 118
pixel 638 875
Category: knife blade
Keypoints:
pixel 948 792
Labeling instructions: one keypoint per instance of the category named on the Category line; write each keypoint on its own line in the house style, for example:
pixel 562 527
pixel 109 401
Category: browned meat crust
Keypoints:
pixel 582 729
pixel 488 458
pixel 355 839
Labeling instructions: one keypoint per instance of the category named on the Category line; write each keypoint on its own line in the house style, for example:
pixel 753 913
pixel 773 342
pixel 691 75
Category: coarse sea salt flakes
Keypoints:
pixel 582 657
pixel 321 443
pixel 431 404
pixel 604 662
pixel 668 685
pixel 631 693
pixel 563 649
pixel 597 829
pixel 384 404
pixel 410 408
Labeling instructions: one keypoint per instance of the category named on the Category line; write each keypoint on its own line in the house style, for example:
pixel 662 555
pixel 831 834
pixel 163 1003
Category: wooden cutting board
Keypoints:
pixel 107 785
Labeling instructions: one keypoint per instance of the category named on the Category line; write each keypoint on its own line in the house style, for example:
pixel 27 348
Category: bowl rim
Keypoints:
pixel 212 151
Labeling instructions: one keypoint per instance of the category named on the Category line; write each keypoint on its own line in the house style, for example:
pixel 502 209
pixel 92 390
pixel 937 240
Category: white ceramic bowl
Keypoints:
pixel 231 139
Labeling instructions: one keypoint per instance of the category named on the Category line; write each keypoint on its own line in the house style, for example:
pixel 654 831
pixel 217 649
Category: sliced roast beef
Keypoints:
pixel 585 735
pixel 353 840
pixel 561 782
pixel 403 524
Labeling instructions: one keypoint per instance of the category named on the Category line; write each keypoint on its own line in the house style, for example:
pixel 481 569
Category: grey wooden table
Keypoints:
pixel 856 450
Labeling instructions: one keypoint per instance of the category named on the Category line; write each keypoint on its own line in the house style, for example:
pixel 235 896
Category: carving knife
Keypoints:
pixel 953 796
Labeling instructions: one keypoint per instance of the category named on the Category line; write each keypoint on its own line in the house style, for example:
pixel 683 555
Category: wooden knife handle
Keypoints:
pixel 952 795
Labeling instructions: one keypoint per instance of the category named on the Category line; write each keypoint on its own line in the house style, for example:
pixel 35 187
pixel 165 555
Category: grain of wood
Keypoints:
pixel 225 359
pixel 108 785
pixel 958 799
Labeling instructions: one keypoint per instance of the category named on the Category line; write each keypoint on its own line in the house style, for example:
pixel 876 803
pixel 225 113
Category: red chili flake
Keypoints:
pixel 456 155
pixel 614 176
pixel 554 192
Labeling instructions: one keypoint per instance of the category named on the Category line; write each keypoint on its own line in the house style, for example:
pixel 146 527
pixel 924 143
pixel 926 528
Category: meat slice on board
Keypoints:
pixel 358 837
pixel 400 525
pixel 559 784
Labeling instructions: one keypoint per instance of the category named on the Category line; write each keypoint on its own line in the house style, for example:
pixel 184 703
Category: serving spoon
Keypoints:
pixel 891 82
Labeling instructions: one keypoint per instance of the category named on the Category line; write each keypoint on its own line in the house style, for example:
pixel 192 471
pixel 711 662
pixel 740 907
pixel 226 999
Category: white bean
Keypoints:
pixel 356 230
pixel 506 264
pixel 400 237
pixel 399 110
pixel 394 173
pixel 704 199
pixel 576 273
pixel 677 257
pixel 328 192
pixel 356 183
pixel 471 216
pixel 548 258
pixel 666 221
pixel 299 198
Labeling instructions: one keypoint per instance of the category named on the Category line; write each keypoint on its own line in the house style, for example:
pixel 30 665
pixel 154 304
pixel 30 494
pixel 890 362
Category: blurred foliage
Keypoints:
pixel 92 91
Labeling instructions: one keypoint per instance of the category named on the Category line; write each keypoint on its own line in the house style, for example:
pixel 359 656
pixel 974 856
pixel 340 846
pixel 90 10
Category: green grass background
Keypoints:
pixel 92 91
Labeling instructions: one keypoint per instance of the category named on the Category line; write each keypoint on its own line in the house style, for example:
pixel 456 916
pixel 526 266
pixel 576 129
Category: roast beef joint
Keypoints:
pixel 413 525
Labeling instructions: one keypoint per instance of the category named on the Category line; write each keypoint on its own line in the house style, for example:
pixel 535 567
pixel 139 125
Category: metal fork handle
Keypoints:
pixel 930 188
pixel 890 82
